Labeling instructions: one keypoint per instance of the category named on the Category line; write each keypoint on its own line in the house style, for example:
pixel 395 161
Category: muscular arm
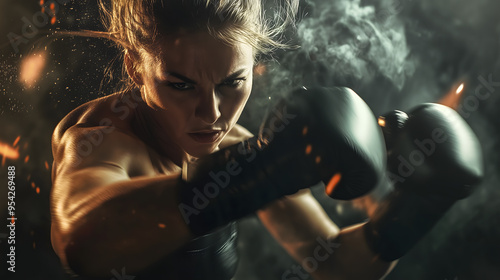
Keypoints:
pixel 303 228
pixel 103 217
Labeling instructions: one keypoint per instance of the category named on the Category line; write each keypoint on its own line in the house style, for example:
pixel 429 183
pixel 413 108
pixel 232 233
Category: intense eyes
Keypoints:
pixel 180 86
pixel 233 83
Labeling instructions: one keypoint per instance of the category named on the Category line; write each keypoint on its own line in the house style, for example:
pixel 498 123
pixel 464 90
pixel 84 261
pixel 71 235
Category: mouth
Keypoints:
pixel 206 137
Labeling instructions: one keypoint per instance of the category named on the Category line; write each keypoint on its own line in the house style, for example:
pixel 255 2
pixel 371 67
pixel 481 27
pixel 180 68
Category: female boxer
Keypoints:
pixel 154 177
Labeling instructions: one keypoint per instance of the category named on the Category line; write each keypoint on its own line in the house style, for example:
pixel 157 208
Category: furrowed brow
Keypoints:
pixel 188 80
pixel 234 75
pixel 181 77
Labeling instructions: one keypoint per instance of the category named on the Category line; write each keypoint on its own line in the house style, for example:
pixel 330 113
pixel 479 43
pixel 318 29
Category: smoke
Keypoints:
pixel 396 55
pixel 343 42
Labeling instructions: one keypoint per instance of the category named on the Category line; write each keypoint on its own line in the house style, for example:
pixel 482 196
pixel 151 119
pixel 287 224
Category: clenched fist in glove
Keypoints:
pixel 433 159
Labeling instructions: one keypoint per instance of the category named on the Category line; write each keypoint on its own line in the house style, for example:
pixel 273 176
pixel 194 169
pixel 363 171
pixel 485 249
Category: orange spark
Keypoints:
pixel 8 151
pixel 460 88
pixel 333 182
pixel 160 225
pixel 46 165
pixel 12 220
pixel 381 121
pixel 33 184
pixel 42 2
pixel 37 190
pixel 318 159
pixel 16 141
pixel 452 98
pixel 52 6
pixel 26 159
pixel 305 130
pixel 31 69
pixel 308 149
pixel 53 21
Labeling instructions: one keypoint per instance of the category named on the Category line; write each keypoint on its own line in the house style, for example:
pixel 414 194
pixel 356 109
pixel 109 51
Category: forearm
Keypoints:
pixel 129 224
pixel 353 259
pixel 316 243
pixel 285 219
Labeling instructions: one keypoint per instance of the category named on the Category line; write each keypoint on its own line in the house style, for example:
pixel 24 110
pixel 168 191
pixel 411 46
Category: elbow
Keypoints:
pixel 78 260
pixel 91 254
pixel 86 260
pixel 77 255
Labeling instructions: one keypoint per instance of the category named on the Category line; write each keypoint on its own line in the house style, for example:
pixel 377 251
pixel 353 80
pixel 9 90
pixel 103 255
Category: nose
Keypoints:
pixel 208 107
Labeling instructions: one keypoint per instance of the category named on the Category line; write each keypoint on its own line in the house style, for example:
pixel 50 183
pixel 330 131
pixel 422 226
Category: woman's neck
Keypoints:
pixel 150 132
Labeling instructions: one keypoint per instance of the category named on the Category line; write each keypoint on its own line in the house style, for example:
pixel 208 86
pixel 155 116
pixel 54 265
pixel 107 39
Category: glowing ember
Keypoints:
pixel 452 98
pixel 31 69
pixel 333 182
pixel 53 21
pixel 33 184
pixel 37 190
pixel 304 131
pixel 162 225
pixel 460 88
pixel 318 159
pixel 381 121
pixel 46 165
pixel 26 159
pixel 16 141
pixel 8 151
pixel 308 149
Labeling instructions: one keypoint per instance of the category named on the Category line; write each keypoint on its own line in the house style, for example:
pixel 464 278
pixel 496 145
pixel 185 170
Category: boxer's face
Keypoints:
pixel 197 87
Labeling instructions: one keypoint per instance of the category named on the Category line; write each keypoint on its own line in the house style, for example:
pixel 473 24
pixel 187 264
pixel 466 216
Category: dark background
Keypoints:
pixel 394 54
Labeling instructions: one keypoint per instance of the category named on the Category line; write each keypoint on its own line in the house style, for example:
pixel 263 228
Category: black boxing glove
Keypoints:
pixel 308 137
pixel 433 159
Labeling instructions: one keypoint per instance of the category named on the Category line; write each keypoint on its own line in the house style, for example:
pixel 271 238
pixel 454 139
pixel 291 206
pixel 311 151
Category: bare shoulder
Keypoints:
pixel 96 133
pixel 235 135
pixel 104 111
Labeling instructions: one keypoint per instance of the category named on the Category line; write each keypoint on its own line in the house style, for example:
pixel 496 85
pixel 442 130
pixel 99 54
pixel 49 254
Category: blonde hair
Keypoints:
pixel 140 24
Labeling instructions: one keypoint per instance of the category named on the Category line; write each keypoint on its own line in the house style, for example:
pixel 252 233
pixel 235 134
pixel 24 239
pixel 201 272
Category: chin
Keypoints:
pixel 202 151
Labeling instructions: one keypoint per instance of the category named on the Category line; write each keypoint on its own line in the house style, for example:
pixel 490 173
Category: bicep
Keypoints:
pixel 74 195
pixel 73 190
pixel 80 175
